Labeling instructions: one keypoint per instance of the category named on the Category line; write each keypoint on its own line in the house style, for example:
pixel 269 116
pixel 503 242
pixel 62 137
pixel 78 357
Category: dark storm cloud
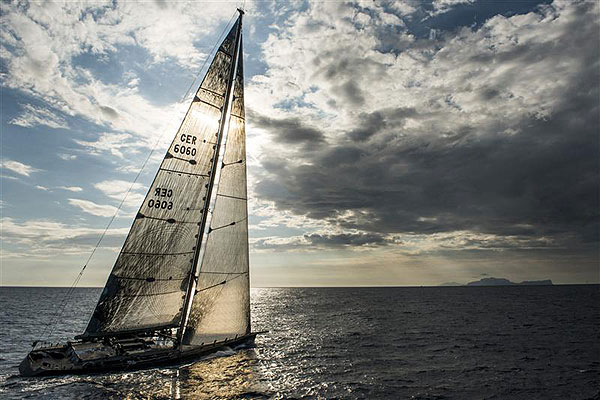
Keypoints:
pixel 350 92
pixel 349 239
pixel 375 122
pixel 288 130
pixel 541 182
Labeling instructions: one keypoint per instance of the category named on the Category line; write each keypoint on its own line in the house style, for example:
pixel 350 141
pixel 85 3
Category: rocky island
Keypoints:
pixel 506 282
pixel 500 282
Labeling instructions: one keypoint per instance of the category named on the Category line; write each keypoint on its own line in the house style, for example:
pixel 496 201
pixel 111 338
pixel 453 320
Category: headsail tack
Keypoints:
pixel 147 286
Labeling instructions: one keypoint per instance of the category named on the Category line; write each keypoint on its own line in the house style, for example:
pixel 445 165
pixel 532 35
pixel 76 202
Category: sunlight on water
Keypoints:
pixel 468 343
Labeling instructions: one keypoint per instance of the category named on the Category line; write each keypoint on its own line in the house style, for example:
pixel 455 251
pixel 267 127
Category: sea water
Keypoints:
pixel 353 343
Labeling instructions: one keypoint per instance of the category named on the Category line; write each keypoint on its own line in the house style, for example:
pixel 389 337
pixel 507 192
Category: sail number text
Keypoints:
pixel 164 204
pixel 186 150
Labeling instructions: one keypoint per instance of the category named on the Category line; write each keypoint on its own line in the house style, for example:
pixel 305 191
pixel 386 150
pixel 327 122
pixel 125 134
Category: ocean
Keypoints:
pixel 531 342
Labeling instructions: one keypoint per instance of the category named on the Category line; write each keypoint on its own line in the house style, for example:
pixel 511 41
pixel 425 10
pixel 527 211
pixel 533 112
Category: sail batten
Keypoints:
pixel 148 284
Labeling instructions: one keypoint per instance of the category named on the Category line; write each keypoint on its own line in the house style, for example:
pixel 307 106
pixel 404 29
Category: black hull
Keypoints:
pixel 61 361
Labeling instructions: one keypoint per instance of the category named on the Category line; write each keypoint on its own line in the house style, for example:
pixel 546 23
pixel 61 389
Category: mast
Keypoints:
pixel 222 125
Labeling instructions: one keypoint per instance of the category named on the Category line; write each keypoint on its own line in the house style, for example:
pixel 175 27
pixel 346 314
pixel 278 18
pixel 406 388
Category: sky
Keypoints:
pixel 389 143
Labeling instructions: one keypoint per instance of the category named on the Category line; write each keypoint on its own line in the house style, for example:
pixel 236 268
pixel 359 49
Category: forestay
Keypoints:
pixel 147 286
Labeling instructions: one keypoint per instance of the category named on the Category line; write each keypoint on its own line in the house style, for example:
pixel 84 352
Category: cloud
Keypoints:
pixel 442 6
pixel 68 188
pixel 45 48
pixel 71 188
pixel 36 116
pixel 478 133
pixel 117 189
pixel 44 238
pixel 289 130
pixel 18 168
pixel 112 143
pixel 67 157
pixel 92 208
pixel 347 239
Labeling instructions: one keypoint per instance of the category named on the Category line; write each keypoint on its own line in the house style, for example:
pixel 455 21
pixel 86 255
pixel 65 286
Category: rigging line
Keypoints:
pixel 208 57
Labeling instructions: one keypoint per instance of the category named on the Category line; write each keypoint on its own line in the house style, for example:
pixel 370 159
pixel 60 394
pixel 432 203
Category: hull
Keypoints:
pixel 90 357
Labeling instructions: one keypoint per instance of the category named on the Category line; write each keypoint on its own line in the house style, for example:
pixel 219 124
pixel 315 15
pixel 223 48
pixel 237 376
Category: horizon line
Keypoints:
pixel 325 287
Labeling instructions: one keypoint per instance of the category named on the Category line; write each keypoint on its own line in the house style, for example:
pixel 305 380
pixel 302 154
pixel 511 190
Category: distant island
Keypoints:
pixel 500 282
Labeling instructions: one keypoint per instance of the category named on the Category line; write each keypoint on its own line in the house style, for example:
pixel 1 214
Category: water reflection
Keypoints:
pixel 228 374
pixel 236 376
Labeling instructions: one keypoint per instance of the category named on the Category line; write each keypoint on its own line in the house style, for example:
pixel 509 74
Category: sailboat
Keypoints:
pixel 179 288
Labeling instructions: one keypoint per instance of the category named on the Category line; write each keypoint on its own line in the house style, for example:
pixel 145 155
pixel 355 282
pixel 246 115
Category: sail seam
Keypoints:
pixel 232 197
pixel 169 220
pixel 222 283
pixel 182 172
pixel 156 254
pixel 198 99
pixel 231 163
pixel 221 273
pixel 146 294
pixel 225 226
pixel 225 53
pixel 147 279
pixel 212 92
pixel 171 156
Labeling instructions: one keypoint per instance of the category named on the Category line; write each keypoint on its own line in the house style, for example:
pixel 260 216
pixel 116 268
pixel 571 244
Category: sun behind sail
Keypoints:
pixel 147 286
pixel 221 305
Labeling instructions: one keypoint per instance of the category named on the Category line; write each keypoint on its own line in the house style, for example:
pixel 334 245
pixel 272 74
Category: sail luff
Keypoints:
pixel 226 110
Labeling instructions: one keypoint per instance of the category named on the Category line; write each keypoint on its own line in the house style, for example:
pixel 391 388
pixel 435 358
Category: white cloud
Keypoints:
pixel 68 188
pixel 19 168
pixel 35 116
pixel 45 38
pixel 117 189
pixel 92 208
pixel 71 188
pixel 113 143
pixel 67 157
pixel 44 238
pixel 442 6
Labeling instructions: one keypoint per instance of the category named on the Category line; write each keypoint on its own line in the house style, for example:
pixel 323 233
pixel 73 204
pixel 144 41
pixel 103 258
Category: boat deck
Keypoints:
pixel 91 357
